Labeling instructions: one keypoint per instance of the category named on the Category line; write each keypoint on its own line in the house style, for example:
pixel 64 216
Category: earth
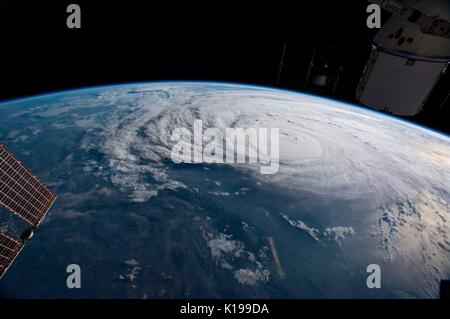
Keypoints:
pixel 354 188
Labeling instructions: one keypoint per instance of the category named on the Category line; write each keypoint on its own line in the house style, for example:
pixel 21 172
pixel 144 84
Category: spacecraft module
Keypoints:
pixel 410 54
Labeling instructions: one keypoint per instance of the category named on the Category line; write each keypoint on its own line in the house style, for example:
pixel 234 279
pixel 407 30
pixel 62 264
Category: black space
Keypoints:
pixel 233 41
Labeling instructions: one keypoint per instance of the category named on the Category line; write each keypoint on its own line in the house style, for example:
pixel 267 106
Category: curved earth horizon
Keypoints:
pixel 354 188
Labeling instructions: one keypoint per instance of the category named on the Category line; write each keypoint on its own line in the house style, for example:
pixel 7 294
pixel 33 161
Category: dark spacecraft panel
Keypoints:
pixel 9 249
pixel 396 84
pixel 22 192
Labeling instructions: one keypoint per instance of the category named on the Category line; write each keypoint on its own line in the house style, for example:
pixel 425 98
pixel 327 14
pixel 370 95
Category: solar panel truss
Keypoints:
pixel 9 249
pixel 22 192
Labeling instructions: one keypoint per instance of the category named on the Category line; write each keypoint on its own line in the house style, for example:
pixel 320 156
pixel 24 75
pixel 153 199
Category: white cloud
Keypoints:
pixel 227 252
pixel 251 277
pixel 311 231
pixel 338 233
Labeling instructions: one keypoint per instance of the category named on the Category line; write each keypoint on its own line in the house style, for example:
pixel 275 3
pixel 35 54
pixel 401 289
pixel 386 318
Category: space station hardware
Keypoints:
pixel 444 291
pixel 26 196
pixel 9 249
pixel 410 54
pixel 326 68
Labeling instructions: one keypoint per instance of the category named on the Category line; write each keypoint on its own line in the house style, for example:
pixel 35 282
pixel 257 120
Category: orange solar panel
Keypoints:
pixel 22 192
pixel 9 249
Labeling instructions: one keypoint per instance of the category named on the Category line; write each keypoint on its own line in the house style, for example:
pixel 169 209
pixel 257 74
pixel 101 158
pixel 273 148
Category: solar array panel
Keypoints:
pixel 9 249
pixel 22 192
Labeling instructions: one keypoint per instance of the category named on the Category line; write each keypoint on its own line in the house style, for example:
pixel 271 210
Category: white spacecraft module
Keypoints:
pixel 25 195
pixel 410 53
